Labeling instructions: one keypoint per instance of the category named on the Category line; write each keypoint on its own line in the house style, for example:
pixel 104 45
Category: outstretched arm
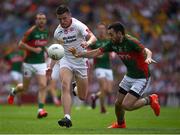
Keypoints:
pixel 88 54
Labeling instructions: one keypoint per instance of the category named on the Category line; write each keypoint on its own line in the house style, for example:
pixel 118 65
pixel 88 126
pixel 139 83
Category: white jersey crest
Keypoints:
pixel 72 36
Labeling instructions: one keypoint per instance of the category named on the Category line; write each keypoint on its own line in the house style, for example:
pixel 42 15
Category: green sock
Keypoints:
pixel 40 105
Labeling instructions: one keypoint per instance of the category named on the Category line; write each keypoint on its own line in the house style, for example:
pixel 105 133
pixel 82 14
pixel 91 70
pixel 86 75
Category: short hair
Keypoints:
pixel 117 26
pixel 62 9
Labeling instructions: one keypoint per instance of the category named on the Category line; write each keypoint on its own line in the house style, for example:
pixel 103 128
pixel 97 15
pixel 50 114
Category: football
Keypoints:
pixel 55 51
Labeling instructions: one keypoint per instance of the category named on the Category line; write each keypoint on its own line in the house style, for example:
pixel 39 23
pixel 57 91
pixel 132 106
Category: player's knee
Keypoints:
pixel 65 86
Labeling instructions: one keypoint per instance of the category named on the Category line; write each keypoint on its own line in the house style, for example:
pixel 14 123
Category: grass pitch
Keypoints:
pixel 22 120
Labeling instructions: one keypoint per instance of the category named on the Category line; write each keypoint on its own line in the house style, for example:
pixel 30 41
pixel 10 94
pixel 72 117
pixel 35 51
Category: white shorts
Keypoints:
pixel 104 73
pixel 79 70
pixel 31 69
pixel 16 76
pixel 139 86
pixel 55 71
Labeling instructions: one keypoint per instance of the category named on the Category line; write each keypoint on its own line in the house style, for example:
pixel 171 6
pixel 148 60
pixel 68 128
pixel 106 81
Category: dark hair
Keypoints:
pixel 62 9
pixel 117 26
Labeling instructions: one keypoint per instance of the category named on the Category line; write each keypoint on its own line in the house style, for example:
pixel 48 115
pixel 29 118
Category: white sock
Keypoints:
pixel 13 91
pixel 40 109
pixel 67 116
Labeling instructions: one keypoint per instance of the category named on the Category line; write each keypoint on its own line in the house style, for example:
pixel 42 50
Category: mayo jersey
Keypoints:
pixel 131 52
pixel 72 36
pixel 34 37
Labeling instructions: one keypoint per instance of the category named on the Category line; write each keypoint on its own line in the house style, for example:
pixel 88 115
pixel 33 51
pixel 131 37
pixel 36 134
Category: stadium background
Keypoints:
pixel 155 23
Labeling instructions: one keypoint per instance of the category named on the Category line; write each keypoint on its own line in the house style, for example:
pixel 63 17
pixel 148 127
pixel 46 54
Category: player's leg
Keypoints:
pixel 81 78
pixel 102 87
pixel 40 72
pixel 52 89
pixel 53 83
pixel 82 86
pixel 41 80
pixel 100 75
pixel 119 111
pixel 133 100
pixel 21 87
pixel 16 79
pixel 66 76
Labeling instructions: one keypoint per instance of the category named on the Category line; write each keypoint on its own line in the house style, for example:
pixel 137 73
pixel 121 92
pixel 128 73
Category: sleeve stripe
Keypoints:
pixel 135 41
pixel 28 32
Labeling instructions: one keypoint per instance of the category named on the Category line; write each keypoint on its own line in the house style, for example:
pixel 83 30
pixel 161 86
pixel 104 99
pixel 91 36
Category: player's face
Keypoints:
pixel 41 20
pixel 116 37
pixel 64 19
pixel 101 30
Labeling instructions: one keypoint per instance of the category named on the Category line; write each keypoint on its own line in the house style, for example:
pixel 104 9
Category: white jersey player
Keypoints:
pixel 71 33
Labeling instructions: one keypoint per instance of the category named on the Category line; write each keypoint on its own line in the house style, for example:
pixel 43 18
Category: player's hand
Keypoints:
pixel 74 52
pixel 150 60
pixel 84 44
pixel 48 73
pixel 37 50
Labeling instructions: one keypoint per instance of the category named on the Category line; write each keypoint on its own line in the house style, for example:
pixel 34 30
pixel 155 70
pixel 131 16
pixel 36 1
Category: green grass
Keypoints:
pixel 22 120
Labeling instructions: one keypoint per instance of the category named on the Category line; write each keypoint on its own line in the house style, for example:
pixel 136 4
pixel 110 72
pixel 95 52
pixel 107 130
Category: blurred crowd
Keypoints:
pixel 154 22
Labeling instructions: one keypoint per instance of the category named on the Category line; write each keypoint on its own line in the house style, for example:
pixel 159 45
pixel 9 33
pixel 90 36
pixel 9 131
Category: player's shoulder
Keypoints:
pixel 77 23
pixel 31 29
pixel 58 29
pixel 132 39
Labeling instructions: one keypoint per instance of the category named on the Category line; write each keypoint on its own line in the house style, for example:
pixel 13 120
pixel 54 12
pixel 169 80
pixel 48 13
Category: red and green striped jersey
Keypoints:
pixel 102 61
pixel 35 38
pixel 131 52
pixel 15 59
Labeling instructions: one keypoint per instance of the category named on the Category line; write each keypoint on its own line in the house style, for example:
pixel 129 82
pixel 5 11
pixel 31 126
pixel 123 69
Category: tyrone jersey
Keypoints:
pixel 35 38
pixel 102 61
pixel 131 52
pixel 72 36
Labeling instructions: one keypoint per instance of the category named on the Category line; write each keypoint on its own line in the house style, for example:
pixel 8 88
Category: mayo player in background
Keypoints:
pixel 103 71
pixel 34 42
pixel 15 59
pixel 71 33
